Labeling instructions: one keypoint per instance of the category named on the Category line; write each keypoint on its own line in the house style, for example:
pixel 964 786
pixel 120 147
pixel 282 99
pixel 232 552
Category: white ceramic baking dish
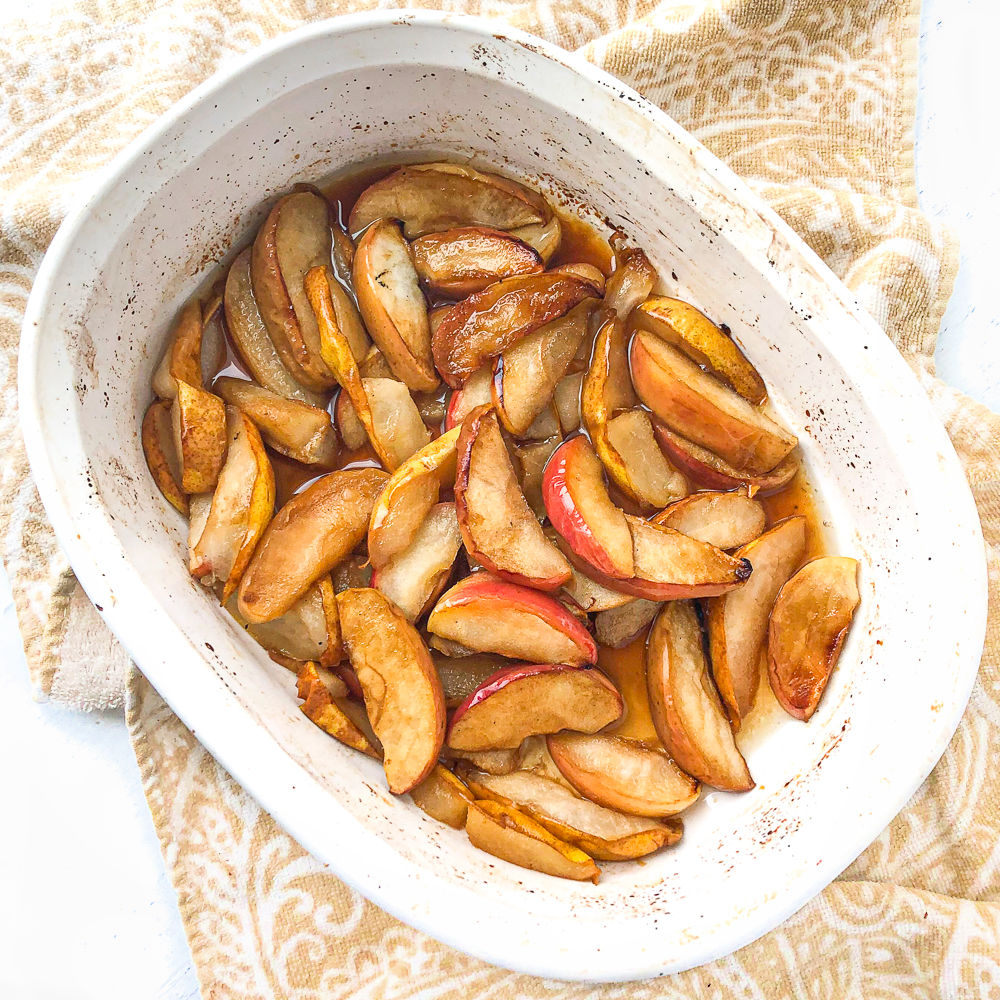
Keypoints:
pixel 348 90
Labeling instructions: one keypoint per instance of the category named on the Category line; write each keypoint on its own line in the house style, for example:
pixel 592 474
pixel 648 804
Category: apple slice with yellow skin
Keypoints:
pixel 486 324
pixel 461 261
pixel 512 835
pixel 435 197
pixel 348 424
pixel 530 458
pixel 697 406
pixel 617 627
pixel 488 615
pixel 392 305
pixel 681 325
pixel 294 238
pixel 402 692
pixel 622 774
pixel 476 392
pixel 687 713
pixel 320 707
pixel 654 481
pixel 408 497
pixel 461 675
pixel 566 399
pixel 414 578
pixel 632 280
pixel 604 834
pixel 307 538
pixel 498 527
pixel 532 699
pixel 292 428
pixel 581 511
pixel 181 361
pixel 161 457
pixel 444 797
pixel 526 374
pixel 725 520
pixel 709 471
pixel 253 342
pixel 242 506
pixel 737 621
pixel 543 237
pixel 808 627
pixel 198 422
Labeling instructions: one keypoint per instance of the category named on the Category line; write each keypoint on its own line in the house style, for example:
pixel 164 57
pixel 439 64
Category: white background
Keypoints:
pixel 86 910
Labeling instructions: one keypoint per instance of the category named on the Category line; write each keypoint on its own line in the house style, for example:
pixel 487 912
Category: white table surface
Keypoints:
pixel 86 909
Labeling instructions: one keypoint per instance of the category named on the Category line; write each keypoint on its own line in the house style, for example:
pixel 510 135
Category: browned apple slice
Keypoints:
pixel 809 624
pixel 526 374
pixel 292 428
pixel 252 341
pixel 685 705
pixel 490 761
pixel 683 326
pixel 487 323
pixel 434 197
pixel 343 254
pixel 587 272
pixel 242 506
pixel 348 424
pixel 631 282
pixel 181 361
pixel 580 509
pixel 531 458
pixel 198 422
pixel 653 480
pixel 374 365
pixel 619 626
pixel 161 456
pixel 624 775
pixel 458 262
pixel 708 470
pixel 698 406
pixel 476 392
pixel 461 675
pixel 543 237
pixel 313 532
pixel 320 707
pixel 349 320
pixel 511 835
pixel 408 496
pixel 592 596
pixel 213 337
pixel 396 419
pixel 531 699
pixel 488 615
pixel 604 834
pixel 737 622
pixel 498 527
pixel 443 797
pixel 401 688
pixel 294 238
pixel 414 578
pixel 545 425
pixel 392 304
pixel 725 520
pixel 566 398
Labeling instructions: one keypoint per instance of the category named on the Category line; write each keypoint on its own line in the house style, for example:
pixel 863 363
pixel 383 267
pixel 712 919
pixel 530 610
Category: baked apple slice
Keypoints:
pixel 622 774
pixel 320 707
pixel 631 282
pixel 809 624
pixel 543 237
pixel 488 615
pixel 392 305
pixel 566 399
pixel 487 323
pixel 737 621
pixel 725 520
pixel 443 796
pixel 396 421
pixel 617 627
pixel 476 392
pixel 498 527
pixel 458 262
pixel 347 423
pixel 512 835
pixel 310 535
pixel 414 578
pixel 531 699
pixel 161 456
pixel 461 675
pixel 681 325
pixel 290 427
pixel 593 597
pixel 402 692
pixel 374 365
pixel 490 761
pixel 181 361
pixel 198 423
pixel 697 406
pixel 653 480
pixel 294 238
pixel 687 713
pixel 530 458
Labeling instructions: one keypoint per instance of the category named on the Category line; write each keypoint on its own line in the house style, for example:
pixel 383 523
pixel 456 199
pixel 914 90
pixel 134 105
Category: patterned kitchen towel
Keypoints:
pixel 813 102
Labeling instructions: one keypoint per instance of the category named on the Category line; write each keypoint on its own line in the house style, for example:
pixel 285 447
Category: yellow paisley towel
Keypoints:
pixel 813 102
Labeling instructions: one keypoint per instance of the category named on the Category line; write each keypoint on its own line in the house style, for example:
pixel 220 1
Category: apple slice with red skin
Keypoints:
pixel 307 538
pixel 808 627
pixel 498 527
pixel 161 456
pixel 475 393
pixel 461 261
pixel 489 615
pixel 461 675
pixel 696 405
pixel 737 622
pixel 414 578
pixel 486 324
pixel 711 472
pixel 684 703
pixel 402 692
pixel 320 707
pixel 532 699
pixel 617 627
pixel 444 797
pixel 725 520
